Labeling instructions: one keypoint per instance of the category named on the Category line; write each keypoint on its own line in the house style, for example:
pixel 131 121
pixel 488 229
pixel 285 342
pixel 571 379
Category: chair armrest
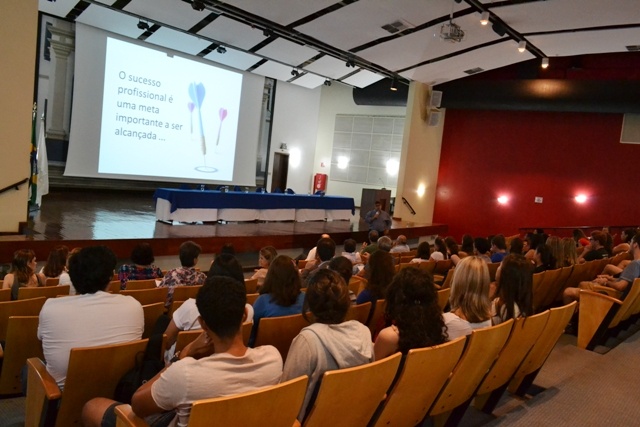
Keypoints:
pixel 43 394
pixel 49 385
pixel 594 307
pixel 126 418
pixel 610 291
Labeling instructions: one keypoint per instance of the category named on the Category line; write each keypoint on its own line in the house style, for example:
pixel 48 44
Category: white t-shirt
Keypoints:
pixel 218 375
pixel 458 327
pixel 186 316
pixel 88 320
pixel 437 256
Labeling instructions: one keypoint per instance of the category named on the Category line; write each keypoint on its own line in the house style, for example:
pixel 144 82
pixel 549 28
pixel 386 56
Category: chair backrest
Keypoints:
pixel 375 317
pixel 546 288
pixel 183 293
pixel 251 298
pixel 152 313
pixel 424 373
pixel 174 306
pixel 443 297
pixel 148 296
pixel 443 266
pixel 44 291
pixel 93 372
pixel 524 333
pixel 28 307
pixel 251 285
pixel 134 285
pixel 52 281
pixel 483 347
pixel 559 286
pixel 279 332
pixel 356 284
pixel 301 264
pixel 429 266
pixel 21 343
pixel 185 337
pixel 5 294
pixel 537 289
pixel 274 406
pixel 447 281
pixel 578 274
pixel 359 312
pixel 557 321
pixel 337 402
pixel 114 286
pixel 493 268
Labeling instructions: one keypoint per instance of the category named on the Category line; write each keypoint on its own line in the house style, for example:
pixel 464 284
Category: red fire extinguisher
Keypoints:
pixel 320 182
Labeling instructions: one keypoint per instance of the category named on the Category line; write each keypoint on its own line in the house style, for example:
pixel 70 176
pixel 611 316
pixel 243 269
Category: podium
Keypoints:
pixel 369 198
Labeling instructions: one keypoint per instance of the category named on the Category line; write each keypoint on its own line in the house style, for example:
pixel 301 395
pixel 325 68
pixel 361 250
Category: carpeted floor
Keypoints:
pixel 581 388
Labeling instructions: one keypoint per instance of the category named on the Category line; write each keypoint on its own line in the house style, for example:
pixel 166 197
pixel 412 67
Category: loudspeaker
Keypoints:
pixel 434 117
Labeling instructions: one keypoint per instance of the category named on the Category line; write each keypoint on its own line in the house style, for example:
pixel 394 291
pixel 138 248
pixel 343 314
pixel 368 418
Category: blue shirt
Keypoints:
pixel 264 307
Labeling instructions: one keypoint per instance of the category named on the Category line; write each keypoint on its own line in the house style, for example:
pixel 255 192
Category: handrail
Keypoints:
pixel 413 212
pixel 16 185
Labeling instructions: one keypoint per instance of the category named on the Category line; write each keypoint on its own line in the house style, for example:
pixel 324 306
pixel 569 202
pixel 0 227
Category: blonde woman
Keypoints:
pixel 570 253
pixel 267 254
pixel 557 250
pixel 469 300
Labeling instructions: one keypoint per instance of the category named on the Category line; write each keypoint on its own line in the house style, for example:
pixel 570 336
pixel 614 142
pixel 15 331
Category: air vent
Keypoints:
pixel 474 70
pixel 634 48
pixel 397 26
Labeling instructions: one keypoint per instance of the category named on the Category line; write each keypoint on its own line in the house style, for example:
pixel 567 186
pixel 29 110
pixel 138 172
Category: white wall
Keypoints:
pixel 295 123
pixel 338 99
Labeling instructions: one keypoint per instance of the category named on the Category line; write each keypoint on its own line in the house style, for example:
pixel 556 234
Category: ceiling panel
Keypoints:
pixel 288 52
pixel 309 80
pixel 110 20
pixel 58 8
pixel 362 78
pixel 330 67
pixel 176 40
pixel 274 70
pixel 175 13
pixel 233 58
pixel 233 33
pixel 567 44
pixel 283 12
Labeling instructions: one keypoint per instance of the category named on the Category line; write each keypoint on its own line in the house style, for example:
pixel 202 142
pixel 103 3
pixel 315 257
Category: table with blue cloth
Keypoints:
pixel 207 206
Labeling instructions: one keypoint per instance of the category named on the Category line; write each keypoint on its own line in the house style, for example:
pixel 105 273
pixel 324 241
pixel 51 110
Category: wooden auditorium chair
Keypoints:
pixel 357 284
pixel 152 313
pixel 148 296
pixel 524 333
pixel 376 316
pixel 279 332
pixel 600 314
pixel 134 285
pixel 21 343
pixel 43 291
pixel 359 312
pixel 5 294
pixel 174 306
pixel 528 370
pixel 543 284
pixel 423 374
pixel 93 372
pixel 429 266
pixel 493 268
pixel 349 397
pixel 483 347
pixel 273 406
pixel 28 307
pixel 52 281
pixel 185 337
pixel 443 297
pixel 251 285
pixel 556 288
pixel 183 293
pixel 114 286
pixel 251 298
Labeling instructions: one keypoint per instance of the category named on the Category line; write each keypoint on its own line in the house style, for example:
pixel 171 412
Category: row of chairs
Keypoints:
pixel 437 382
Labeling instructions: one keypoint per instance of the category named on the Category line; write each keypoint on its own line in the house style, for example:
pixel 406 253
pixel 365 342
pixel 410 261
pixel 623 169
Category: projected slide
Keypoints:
pixel 167 116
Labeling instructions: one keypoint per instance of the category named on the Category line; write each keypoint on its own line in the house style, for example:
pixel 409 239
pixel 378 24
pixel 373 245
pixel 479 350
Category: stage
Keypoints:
pixel 121 219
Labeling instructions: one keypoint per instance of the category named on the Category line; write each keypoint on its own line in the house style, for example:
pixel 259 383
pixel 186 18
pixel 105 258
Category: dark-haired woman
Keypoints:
pixel 22 273
pixel 329 343
pixel 514 290
pixel 142 267
pixel 412 307
pixel 281 295
pixel 380 274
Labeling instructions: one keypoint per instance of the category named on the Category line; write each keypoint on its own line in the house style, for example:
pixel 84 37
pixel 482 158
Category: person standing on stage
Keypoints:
pixel 378 220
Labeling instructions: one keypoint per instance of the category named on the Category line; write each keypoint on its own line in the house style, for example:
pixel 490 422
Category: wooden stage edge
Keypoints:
pixel 245 237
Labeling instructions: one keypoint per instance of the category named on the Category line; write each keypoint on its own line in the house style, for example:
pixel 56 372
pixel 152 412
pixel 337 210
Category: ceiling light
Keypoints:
pixel 267 32
pixel 350 63
pixel 522 46
pixel 503 200
pixel 394 85
pixel 484 19
pixel 327 82
pixel 143 25
pixel 221 49
pixel 580 198
pixel 545 62
pixel 197 5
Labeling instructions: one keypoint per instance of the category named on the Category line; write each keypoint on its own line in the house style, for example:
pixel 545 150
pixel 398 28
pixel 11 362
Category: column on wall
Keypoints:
pixel 62 44
pixel 420 158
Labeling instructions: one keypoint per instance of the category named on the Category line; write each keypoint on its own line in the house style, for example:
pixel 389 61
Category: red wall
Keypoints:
pixel 527 154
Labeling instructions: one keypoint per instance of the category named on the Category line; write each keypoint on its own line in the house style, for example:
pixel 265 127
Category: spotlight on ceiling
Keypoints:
pixel 295 72
pixel 221 49
pixel 350 63
pixel 522 46
pixel 545 62
pixel 143 25
pixel 394 85
pixel 484 19
pixel 267 32
pixel 197 5
pixel 327 82
pixel 498 29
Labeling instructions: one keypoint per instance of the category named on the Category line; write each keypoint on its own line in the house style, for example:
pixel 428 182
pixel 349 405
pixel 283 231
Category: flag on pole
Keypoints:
pixel 42 166
pixel 34 158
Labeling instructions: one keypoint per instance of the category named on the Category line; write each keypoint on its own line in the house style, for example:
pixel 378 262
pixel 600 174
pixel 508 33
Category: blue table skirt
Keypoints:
pixel 196 199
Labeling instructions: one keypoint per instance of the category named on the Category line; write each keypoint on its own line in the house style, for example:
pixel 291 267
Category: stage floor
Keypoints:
pixel 122 219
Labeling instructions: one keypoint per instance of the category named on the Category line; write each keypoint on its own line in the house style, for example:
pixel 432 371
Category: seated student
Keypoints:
pixel 325 250
pixel 513 295
pixel 185 318
pixel 543 260
pixel 440 251
pixel 423 253
pixel 498 248
pixel 454 250
pixel 91 318
pixel 466 247
pixel 142 267
pixel 267 254
pixel 400 245
pixel 342 266
pixel 281 295
pixel 187 275
pixel 329 343
pixel 372 246
pixel 379 274
pixel 469 300
pixel 216 364
pixel 415 316
pixel 481 248
pixel 350 252
pixel 56 265
pixel 311 256
pixel 22 273
pixel 596 249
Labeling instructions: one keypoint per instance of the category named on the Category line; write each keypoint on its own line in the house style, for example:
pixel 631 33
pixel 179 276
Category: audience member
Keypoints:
pixel 514 295
pixel 186 275
pixel 311 256
pixel 498 248
pixel 216 364
pixel 454 251
pixel 385 243
pixel 380 273
pixel 281 294
pixel 596 249
pixel 372 246
pixel 466 248
pixel 342 266
pixel 624 245
pixel 329 343
pixel 557 250
pixel 266 255
pixel 22 273
pixel 543 260
pixel 580 238
pixel 570 254
pixel 142 267
pixel 92 318
pixel 57 264
pixel 415 316
pixel 350 252
pixel 400 245
pixel 325 250
pixel 469 300
pixel 378 220
pixel 481 248
pixel 516 246
pixel 423 252
pixel 440 250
